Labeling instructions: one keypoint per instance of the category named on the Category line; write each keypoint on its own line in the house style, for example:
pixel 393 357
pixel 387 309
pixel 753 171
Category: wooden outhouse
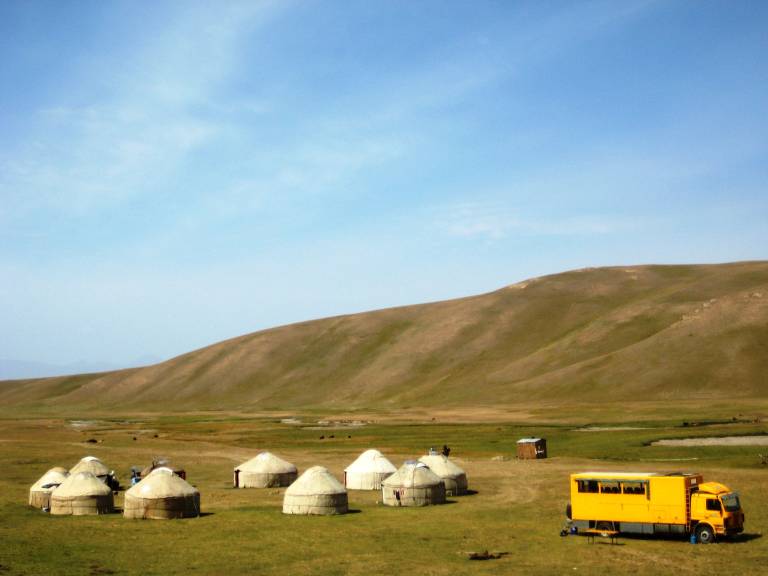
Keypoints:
pixel 531 448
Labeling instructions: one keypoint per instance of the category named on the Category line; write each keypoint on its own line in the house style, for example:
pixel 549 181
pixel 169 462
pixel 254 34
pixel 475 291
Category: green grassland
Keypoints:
pixel 644 352
pixel 517 508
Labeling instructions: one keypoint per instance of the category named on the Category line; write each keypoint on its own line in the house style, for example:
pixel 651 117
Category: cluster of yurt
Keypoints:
pixel 86 489
pixel 454 478
pixel 265 471
pixel 162 495
pixel 163 492
pixel 414 484
pixel 316 492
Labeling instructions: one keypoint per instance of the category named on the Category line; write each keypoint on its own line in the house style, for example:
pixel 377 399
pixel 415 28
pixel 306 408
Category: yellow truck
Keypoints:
pixel 648 503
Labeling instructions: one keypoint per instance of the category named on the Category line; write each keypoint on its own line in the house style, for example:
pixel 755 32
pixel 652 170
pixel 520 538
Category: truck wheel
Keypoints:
pixel 704 534
pixel 568 512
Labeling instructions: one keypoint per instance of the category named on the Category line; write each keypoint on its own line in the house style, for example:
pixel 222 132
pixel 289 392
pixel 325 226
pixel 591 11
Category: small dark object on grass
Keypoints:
pixel 332 436
pixel 322 437
pixel 349 436
pixel 134 438
pixel 92 441
pixel 156 436
pixel 485 555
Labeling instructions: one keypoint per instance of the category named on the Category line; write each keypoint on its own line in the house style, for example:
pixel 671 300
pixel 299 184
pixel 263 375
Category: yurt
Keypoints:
pixel 454 478
pixel 40 492
pixel 96 467
pixel 265 471
pixel 162 495
pixel 163 463
pixel 315 492
pixel 82 493
pixel 368 471
pixel 414 484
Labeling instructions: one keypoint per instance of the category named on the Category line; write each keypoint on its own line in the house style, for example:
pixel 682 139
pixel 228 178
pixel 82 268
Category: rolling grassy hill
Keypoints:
pixel 604 334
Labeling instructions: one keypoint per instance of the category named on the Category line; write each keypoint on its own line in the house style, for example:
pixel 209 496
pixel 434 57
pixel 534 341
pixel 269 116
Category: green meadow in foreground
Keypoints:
pixel 516 508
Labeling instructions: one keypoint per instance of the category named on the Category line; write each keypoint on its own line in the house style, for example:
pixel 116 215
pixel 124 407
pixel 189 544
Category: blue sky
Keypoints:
pixel 174 174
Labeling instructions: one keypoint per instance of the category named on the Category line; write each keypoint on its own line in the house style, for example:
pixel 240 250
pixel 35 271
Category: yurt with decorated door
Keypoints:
pixel 414 484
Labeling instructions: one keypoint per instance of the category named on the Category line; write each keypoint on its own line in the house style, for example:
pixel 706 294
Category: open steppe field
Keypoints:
pixel 516 507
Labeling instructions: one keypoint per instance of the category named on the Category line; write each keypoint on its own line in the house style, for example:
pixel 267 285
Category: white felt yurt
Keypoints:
pixel 368 471
pixel 96 467
pixel 414 484
pixel 82 493
pixel 315 492
pixel 162 495
pixel 40 492
pixel 265 471
pixel 454 478
pixel 91 464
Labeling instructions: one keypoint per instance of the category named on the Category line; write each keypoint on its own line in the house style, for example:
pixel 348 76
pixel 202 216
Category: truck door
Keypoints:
pixel 706 508
pixel 714 511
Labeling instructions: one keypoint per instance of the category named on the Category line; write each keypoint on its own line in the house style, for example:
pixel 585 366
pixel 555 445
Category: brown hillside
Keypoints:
pixel 643 332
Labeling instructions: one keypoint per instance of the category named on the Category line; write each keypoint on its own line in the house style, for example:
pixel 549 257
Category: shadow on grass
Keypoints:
pixel 741 538
pixel 738 539
pixel 485 555
pixel 120 511
pixel 470 493
pixel 416 507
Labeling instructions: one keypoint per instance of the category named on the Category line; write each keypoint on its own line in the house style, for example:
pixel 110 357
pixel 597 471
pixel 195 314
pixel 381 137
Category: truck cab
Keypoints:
pixel 715 511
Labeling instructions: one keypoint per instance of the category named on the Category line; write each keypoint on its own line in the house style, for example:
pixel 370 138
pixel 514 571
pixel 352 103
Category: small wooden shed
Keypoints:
pixel 531 448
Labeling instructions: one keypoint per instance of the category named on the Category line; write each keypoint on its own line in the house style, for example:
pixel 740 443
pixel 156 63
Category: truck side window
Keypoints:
pixel 587 486
pixel 609 487
pixel 713 504
pixel 633 488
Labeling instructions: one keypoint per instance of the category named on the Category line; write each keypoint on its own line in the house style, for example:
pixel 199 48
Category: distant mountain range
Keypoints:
pixel 602 334
pixel 15 369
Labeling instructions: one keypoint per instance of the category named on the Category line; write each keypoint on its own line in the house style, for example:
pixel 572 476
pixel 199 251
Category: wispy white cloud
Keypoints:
pixel 494 220
pixel 148 119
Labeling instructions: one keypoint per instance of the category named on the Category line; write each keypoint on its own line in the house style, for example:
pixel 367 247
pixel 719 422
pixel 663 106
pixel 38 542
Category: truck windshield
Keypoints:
pixel 731 502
